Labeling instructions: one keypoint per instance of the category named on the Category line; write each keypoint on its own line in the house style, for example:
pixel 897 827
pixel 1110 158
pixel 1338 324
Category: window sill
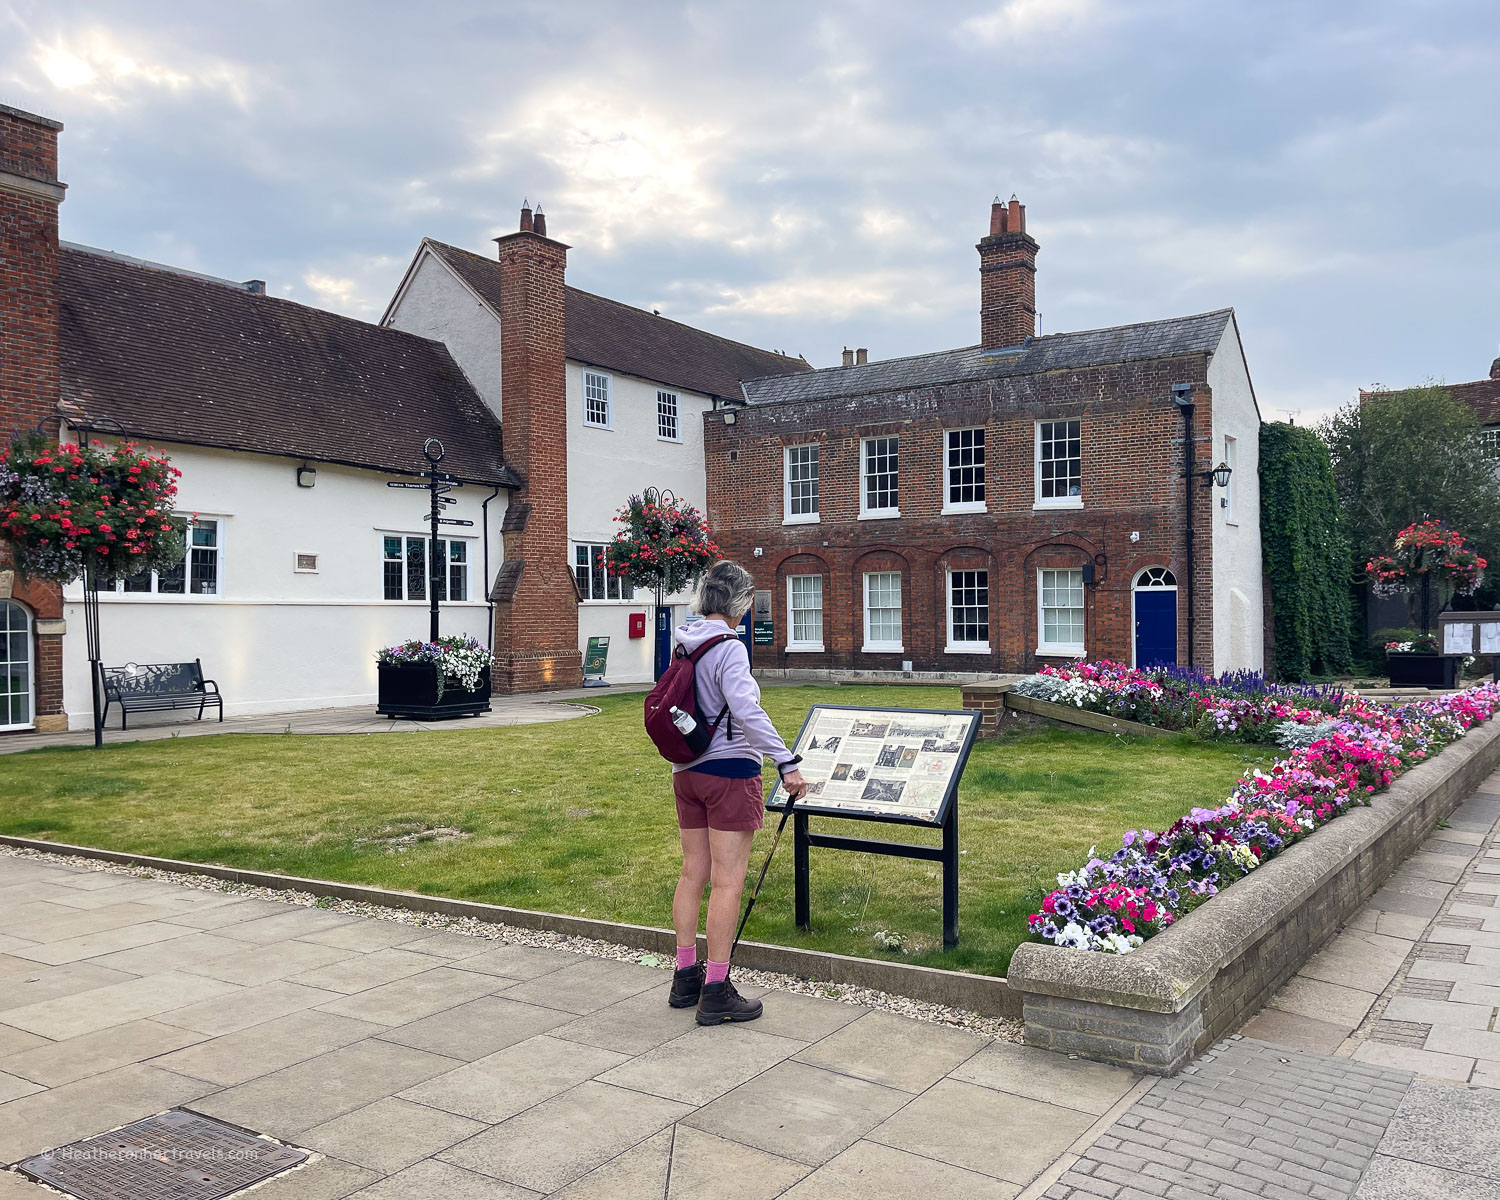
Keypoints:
pixel 1061 652
pixel 1072 502
pixel 596 425
pixel 591 603
pixel 951 510
pixel 809 649
pixel 803 519
pixel 881 514
pixel 968 648
pixel 676 441
pixel 882 648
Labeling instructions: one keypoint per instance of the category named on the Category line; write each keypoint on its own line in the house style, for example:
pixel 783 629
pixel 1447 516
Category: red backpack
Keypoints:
pixel 678 688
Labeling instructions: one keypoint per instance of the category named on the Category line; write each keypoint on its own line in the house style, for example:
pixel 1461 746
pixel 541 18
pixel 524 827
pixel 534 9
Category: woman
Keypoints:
pixel 720 803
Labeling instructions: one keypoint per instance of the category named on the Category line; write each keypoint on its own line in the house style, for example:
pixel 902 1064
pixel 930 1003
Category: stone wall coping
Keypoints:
pixel 1169 970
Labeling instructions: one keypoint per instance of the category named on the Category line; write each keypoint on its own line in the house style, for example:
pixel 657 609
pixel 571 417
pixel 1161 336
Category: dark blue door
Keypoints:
pixel 744 632
pixel 1155 627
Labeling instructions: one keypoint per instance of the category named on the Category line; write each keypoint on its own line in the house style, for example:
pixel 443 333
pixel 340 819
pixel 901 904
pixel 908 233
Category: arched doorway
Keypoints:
pixel 17 698
pixel 1154 597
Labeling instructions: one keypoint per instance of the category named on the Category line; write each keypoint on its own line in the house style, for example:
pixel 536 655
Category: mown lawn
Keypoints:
pixel 577 817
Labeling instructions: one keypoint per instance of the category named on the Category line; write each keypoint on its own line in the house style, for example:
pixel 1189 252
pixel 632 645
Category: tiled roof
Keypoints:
pixel 182 358
pixel 1054 352
pixel 605 333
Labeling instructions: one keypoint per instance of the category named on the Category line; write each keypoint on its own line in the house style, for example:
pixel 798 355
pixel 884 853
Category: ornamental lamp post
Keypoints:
pixel 657 497
pixel 84 428
pixel 1182 396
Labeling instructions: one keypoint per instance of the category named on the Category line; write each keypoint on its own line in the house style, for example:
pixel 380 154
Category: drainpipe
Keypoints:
pixel 488 591
pixel 1182 396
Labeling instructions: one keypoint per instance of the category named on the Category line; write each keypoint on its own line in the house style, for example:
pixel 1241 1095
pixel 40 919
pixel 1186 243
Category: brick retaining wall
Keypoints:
pixel 1153 1009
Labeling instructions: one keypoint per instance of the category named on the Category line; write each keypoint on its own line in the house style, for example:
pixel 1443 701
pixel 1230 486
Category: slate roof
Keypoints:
pixel 1052 352
pixel 618 337
pixel 183 358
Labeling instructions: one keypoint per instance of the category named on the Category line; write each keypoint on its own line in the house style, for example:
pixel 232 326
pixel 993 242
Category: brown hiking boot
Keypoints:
pixel 686 984
pixel 719 1003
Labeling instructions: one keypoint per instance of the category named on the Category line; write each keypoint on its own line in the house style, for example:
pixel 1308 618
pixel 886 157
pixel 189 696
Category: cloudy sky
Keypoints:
pixel 806 176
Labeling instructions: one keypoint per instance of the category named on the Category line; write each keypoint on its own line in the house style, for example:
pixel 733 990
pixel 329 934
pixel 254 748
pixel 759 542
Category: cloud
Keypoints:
pixel 1018 20
pixel 890 293
pixel 100 66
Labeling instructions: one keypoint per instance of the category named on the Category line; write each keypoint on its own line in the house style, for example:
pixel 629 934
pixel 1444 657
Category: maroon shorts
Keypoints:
pixel 712 802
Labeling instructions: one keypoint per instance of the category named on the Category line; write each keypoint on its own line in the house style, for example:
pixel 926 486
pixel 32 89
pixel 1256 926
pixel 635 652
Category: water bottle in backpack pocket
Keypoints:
pixel 673 721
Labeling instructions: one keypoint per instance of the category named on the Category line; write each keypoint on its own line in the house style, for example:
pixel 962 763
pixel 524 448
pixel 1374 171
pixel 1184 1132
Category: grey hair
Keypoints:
pixel 726 587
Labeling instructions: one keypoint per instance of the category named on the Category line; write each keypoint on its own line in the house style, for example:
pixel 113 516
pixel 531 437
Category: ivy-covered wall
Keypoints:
pixel 1306 554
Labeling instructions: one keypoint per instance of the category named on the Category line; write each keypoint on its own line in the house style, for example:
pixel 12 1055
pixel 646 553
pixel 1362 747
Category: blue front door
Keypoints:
pixel 1155 627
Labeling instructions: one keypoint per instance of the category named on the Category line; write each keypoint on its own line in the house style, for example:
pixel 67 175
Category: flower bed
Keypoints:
pixel 1242 706
pixel 1113 904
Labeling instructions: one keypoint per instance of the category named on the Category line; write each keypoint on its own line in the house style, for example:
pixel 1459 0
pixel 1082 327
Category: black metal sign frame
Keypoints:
pixel 947 821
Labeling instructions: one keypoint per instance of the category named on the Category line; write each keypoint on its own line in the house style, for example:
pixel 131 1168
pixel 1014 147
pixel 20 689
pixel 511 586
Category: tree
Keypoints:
pixel 1403 457
pixel 1306 554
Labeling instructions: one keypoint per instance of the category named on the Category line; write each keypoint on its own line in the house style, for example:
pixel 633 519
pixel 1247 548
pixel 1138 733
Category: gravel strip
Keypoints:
pixel 1004 1028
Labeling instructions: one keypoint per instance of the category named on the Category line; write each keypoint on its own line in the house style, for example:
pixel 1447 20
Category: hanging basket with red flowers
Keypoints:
pixel 65 507
pixel 664 544
pixel 1430 550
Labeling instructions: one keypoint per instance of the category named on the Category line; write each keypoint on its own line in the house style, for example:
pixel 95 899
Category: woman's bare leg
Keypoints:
pixel 730 853
pixel 688 902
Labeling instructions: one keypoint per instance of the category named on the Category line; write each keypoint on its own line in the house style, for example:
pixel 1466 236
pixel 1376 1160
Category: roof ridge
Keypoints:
pixel 645 312
pixel 128 260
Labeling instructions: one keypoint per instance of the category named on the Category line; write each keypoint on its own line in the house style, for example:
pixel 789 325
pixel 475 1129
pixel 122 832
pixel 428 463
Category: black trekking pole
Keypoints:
pixel 755 895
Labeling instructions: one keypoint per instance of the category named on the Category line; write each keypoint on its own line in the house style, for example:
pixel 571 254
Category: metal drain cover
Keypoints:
pixel 174 1156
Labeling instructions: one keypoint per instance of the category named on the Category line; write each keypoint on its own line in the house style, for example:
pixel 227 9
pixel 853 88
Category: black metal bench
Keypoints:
pixel 159 687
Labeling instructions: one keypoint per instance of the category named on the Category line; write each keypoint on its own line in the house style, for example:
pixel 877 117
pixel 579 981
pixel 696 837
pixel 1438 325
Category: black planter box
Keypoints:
pixel 1423 670
pixel 411 690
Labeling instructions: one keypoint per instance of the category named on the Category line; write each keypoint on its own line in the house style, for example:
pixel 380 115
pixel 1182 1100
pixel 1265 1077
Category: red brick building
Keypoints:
pixel 1006 504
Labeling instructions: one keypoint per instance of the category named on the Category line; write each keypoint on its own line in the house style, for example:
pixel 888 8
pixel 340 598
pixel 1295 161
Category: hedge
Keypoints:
pixel 1306 554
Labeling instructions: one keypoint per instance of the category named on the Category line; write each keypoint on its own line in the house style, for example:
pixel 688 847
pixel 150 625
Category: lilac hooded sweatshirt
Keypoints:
pixel 723 677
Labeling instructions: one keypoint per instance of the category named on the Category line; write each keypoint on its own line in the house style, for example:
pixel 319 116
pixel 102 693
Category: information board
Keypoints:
pixel 595 657
pixel 881 763
pixel 762 630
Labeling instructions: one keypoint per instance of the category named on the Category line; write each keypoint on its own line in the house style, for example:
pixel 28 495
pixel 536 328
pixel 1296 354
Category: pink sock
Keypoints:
pixel 716 973
pixel 687 956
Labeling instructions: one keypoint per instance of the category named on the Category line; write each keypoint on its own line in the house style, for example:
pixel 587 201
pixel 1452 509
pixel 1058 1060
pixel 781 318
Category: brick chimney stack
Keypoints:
pixel 1007 278
pixel 30 367
pixel 536 599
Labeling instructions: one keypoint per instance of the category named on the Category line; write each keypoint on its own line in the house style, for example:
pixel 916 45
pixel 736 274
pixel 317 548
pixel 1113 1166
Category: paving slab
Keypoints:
pixel 239 911
pixel 439 1179
pixel 1455 1129
pixel 703 1064
pixel 1324 1001
pixel 997 1134
pixel 1444 1039
pixel 246 1007
pixel 57 1063
pixel 75 924
pixel 519 962
pixel 15 1187
pixel 446 944
pixel 872 1171
pixel 1299 1032
pixel 13 1041
pixel 590 985
pixel 286 1102
pixel 800 1112
pixel 89 1106
pixel 38 984
pixel 186 952
pixel 1044 1075
pixel 13 1087
pixel 895 1051
pixel 95 945
pixel 631 1026
pixel 365 936
pixel 389 1135
pixel 261 1049
pixel 479 1028
pixel 264 964
pixel 566 1137
pixel 1358 959
pixel 411 999
pixel 299 922
pixel 320 1178
pixel 102 1007
pixel 1396 1179
pixel 1428 1063
pixel 365 971
pixel 500 1085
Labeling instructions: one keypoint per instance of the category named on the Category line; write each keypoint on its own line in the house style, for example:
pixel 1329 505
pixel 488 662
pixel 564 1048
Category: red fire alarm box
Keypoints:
pixel 637 625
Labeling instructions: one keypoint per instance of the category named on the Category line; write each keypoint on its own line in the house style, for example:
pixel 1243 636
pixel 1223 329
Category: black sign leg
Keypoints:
pixel 800 874
pixel 950 877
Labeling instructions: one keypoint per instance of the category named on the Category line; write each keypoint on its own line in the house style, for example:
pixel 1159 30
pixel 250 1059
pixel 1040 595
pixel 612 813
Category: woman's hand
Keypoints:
pixel 795 785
